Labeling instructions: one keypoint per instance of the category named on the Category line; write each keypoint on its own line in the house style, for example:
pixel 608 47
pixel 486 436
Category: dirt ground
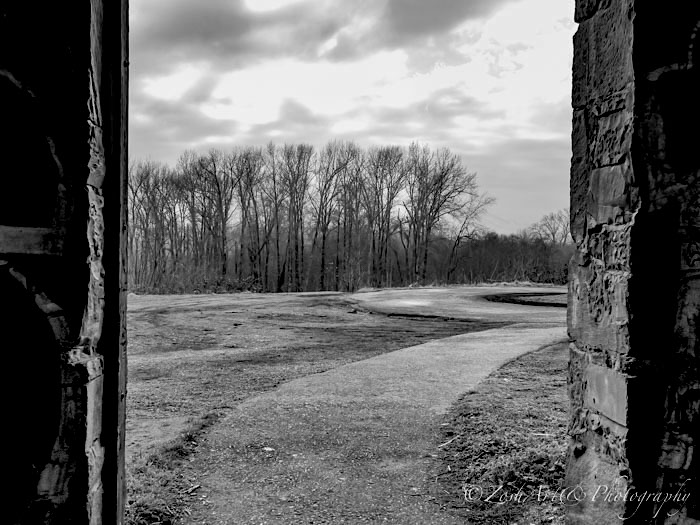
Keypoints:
pixel 190 356
pixel 193 359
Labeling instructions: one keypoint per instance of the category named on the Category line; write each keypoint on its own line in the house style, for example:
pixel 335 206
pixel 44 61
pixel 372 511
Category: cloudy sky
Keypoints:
pixel 489 79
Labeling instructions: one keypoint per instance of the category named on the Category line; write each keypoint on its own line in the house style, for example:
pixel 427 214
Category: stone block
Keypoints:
pixel 690 257
pixel 607 194
pixel 581 67
pixel 612 138
pixel 580 173
pixel 578 361
pixel 618 101
pixel 596 484
pixel 606 392
pixel 585 9
pixel 676 451
pixel 597 314
pixel 610 247
pixel 687 332
pixel 603 59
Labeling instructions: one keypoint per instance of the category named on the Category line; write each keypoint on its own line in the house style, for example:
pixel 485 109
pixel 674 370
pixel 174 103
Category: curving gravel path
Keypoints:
pixel 356 444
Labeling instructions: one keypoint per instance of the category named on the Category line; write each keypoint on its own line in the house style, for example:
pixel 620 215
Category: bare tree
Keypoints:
pixel 553 228
pixel 469 226
pixel 438 185
pixel 218 177
pixel 253 233
pixel 331 166
pixel 296 163
pixel 148 193
pixel 385 175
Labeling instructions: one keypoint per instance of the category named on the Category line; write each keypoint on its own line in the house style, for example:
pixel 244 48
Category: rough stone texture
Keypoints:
pixel 634 289
pixel 606 393
pixel 63 143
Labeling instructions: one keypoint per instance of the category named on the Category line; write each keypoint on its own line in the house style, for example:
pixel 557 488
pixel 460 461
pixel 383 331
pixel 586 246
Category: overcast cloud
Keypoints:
pixel 490 79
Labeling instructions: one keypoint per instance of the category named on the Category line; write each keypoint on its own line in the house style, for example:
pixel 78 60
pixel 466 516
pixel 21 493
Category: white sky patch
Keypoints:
pixel 351 125
pixel 264 6
pixel 141 118
pixel 255 95
pixel 522 60
pixel 328 46
pixel 216 139
pixel 479 133
pixel 411 88
pixel 173 86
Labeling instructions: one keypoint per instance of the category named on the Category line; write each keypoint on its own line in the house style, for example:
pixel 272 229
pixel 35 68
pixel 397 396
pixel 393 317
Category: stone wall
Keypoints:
pixel 634 290
pixel 63 87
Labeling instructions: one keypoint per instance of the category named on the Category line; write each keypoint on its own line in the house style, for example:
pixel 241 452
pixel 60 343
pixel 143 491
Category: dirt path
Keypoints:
pixel 197 356
pixel 357 443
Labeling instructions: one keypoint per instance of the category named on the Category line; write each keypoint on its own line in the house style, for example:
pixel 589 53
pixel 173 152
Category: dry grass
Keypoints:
pixel 158 491
pixel 503 445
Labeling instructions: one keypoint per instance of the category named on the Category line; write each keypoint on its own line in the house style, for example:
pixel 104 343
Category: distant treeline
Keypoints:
pixel 290 218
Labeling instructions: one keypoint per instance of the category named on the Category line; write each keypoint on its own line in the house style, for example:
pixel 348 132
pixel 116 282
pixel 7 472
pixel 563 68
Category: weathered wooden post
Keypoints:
pixel 63 159
pixel 634 298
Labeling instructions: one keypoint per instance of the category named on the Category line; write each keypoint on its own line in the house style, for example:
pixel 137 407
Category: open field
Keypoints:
pixel 195 358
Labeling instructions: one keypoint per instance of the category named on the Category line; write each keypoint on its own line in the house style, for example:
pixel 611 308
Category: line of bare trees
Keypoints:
pixel 291 218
